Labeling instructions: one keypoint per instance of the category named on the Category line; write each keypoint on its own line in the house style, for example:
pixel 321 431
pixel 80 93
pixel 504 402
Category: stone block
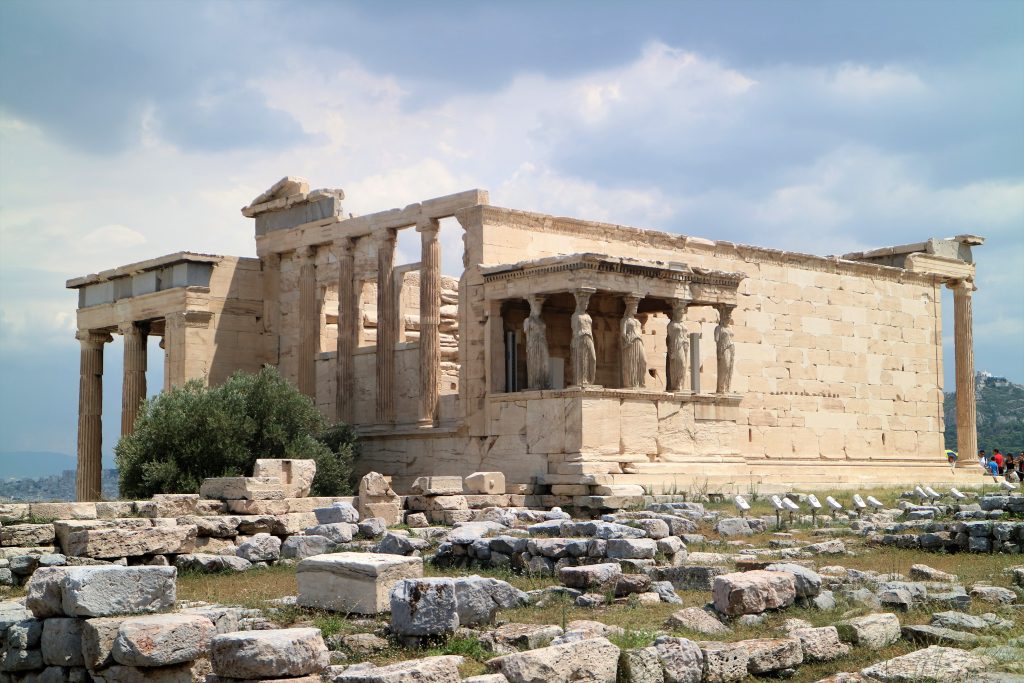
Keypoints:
pixel 767 655
pixel 296 476
pixel 100 591
pixel 27 534
pixel 753 592
pixel 260 548
pixel 440 669
pixel 114 543
pixel 353 582
pixel 486 483
pixel 681 659
pixel 242 488
pixel 98 637
pixel 338 513
pixel 205 563
pixel 301 547
pixel 277 653
pixel 61 642
pixel 725 662
pixel 594 660
pixel 424 607
pixel 436 486
pixel 162 639
pixel 63 510
pixel 591 577
pixel 873 631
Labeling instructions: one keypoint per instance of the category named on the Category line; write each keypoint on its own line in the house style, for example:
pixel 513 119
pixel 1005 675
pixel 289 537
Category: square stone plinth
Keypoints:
pixel 353 582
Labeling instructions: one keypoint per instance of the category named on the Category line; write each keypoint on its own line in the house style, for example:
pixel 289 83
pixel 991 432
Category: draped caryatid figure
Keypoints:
pixel 584 355
pixel 537 373
pixel 678 348
pixel 634 362
pixel 726 350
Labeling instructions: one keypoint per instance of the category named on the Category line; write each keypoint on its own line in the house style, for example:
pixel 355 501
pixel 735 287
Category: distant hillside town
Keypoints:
pixel 53 488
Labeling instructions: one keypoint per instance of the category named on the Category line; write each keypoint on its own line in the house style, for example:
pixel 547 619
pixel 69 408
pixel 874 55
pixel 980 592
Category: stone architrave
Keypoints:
pixel 584 355
pixel 133 390
pixel 634 361
pixel 90 415
pixel 295 475
pixel 726 350
pixel 537 365
pixel 677 347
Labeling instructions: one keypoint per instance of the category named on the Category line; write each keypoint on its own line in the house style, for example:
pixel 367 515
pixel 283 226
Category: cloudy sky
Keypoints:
pixel 131 130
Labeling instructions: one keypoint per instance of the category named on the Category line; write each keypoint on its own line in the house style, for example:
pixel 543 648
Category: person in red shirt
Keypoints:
pixel 998 457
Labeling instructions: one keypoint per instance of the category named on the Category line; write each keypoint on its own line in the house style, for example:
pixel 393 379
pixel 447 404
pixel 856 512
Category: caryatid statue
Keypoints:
pixel 634 362
pixel 584 356
pixel 678 347
pixel 726 350
pixel 537 374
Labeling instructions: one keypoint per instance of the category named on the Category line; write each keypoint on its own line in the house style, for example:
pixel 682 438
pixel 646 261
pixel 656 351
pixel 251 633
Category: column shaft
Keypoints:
pixel 430 319
pixel 88 485
pixel 133 389
pixel 348 318
pixel 387 327
pixel 308 323
pixel 963 334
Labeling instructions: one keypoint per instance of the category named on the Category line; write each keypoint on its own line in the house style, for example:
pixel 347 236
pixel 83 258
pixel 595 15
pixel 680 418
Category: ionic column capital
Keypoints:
pixel 94 339
pixel 344 245
pixel 964 287
pixel 306 253
pixel 428 226
pixel 385 237
pixel 130 328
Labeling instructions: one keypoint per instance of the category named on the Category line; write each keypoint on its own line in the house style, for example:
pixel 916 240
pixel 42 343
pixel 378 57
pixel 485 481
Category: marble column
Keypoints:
pixel 963 340
pixel 133 389
pixel 308 322
pixel 348 314
pixel 90 415
pixel 430 319
pixel 387 326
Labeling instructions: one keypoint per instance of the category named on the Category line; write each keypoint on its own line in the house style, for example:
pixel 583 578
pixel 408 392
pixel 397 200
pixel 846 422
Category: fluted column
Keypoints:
pixel 348 317
pixel 963 341
pixel 133 389
pixel 430 318
pixel 387 326
pixel 308 322
pixel 90 415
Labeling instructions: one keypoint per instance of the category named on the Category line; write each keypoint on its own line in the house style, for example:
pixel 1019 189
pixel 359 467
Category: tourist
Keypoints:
pixel 951 457
pixel 997 457
pixel 1011 469
pixel 993 468
pixel 983 459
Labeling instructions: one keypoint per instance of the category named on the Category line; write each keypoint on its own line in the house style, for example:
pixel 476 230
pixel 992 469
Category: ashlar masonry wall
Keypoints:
pixel 839 363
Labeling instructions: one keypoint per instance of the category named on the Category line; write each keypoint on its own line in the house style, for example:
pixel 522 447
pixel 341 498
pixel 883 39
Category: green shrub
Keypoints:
pixel 187 434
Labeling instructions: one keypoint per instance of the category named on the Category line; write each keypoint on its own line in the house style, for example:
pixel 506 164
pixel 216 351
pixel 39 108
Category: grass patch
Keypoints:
pixel 252 588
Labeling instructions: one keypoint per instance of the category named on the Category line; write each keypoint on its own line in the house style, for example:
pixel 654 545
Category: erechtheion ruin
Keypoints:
pixel 567 353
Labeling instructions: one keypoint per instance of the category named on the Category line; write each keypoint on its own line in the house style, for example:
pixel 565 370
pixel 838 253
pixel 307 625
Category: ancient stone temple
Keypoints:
pixel 566 352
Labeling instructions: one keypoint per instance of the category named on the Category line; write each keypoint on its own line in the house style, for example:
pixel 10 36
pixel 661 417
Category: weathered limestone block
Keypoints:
pixel 295 475
pixel 640 666
pixel 260 548
pixel 177 673
pixel 820 644
pixel 338 513
pixel 388 509
pixel 113 543
pixel 339 532
pixel 478 599
pixel 353 582
pixel 697 620
pixel 442 669
pixel 486 483
pixel 98 637
pixel 375 485
pixel 808 581
pixel 292 523
pixel 114 509
pixel 301 547
pixel 162 639
pixel 27 534
pixel 931 665
pixel 725 662
pixel 61 642
pixel 424 607
pixel 168 505
pixel 874 631
pixel 12 513
pixel 22 651
pixel 258 507
pixel 99 591
pixel 681 659
pixel 243 488
pixel 773 654
pixel 591 577
pixel 632 548
pixel 206 563
pixel 753 592
pixel 278 653
pixel 63 510
pixel 587 661
pixel 215 526
pixel 436 486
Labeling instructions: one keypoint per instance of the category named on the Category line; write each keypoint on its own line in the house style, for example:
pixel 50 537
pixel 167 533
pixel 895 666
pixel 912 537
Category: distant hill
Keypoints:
pixel 1000 410
pixel 20 464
